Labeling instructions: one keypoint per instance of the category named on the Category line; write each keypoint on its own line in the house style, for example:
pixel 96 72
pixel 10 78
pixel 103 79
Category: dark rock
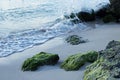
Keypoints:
pixel 41 59
pixel 86 16
pixel 82 16
pixel 102 12
pixel 72 15
pixel 109 18
pixel 115 6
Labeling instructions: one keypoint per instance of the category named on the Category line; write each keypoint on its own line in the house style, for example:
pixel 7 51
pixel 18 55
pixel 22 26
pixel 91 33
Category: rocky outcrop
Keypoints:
pixel 41 59
pixel 108 13
pixel 82 16
pixel 74 62
pixel 109 18
pixel 107 66
pixel 115 6
pixel 103 11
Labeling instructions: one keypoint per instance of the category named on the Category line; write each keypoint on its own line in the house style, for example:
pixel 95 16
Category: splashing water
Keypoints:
pixel 25 23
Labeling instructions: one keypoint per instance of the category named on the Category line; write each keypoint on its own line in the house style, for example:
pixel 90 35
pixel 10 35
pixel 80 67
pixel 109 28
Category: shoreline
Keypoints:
pixel 10 66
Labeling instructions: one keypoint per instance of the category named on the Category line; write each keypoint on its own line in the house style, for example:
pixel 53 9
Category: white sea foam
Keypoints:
pixel 25 23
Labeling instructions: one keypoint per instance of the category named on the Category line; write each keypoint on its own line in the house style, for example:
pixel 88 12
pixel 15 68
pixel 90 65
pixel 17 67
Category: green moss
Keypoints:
pixel 38 60
pixel 91 56
pixel 74 62
pixel 96 71
pixel 75 40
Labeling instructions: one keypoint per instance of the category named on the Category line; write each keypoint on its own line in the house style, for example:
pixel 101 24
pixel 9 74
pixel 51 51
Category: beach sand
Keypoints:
pixel 10 67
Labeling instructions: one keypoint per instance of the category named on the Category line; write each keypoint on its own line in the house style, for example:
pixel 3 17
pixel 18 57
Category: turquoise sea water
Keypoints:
pixel 25 23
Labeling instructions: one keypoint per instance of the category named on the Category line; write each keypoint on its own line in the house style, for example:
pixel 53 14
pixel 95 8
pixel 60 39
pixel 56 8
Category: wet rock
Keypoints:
pixel 72 15
pixel 109 18
pixel 115 5
pixel 86 16
pixel 102 12
pixel 82 16
pixel 41 59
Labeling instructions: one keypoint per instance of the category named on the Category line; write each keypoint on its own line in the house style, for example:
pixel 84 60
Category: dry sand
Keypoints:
pixel 10 67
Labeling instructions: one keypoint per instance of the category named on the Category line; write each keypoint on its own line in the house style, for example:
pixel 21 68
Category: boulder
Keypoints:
pixel 86 16
pixel 115 6
pixel 41 59
pixel 82 16
pixel 109 18
pixel 107 66
pixel 103 11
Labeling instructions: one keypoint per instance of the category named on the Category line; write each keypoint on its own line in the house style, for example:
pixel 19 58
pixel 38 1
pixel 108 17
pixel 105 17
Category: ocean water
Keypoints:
pixel 26 23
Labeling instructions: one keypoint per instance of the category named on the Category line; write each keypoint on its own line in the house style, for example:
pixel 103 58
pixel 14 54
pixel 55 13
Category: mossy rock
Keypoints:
pixel 41 59
pixel 91 56
pixel 75 40
pixel 74 62
pixel 107 66
pixel 96 72
pixel 109 18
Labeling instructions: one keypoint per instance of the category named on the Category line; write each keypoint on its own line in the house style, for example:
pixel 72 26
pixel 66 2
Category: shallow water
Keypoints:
pixel 25 23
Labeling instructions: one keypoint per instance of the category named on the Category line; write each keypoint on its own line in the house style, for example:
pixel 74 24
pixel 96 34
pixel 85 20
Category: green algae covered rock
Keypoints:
pixel 75 40
pixel 96 72
pixel 107 66
pixel 41 59
pixel 91 56
pixel 74 62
